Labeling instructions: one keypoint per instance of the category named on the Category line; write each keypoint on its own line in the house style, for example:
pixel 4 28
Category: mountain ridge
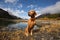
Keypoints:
pixel 49 16
pixel 5 14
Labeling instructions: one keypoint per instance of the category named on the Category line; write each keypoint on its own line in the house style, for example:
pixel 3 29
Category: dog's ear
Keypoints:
pixel 29 14
pixel 35 13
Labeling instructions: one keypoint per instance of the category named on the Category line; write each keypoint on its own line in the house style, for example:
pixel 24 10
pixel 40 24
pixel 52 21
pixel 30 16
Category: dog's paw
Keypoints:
pixel 26 34
pixel 31 34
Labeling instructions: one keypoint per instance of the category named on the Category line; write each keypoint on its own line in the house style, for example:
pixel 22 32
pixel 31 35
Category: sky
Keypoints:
pixel 20 8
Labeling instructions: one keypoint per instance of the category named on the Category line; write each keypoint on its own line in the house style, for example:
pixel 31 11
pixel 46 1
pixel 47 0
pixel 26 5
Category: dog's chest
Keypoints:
pixel 31 23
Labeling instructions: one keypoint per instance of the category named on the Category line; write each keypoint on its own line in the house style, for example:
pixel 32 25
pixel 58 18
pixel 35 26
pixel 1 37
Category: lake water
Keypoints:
pixel 13 26
pixel 20 25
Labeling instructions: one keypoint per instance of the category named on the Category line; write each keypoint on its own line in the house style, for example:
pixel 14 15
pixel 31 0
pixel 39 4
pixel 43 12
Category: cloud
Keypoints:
pixel 31 6
pixel 10 1
pixel 20 5
pixel 22 11
pixel 49 9
pixel 52 9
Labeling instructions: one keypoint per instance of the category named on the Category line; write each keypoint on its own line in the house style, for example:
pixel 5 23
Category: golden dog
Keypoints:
pixel 31 22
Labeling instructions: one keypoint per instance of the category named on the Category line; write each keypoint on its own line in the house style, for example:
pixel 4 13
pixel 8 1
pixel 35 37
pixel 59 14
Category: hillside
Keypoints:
pixel 50 16
pixel 6 15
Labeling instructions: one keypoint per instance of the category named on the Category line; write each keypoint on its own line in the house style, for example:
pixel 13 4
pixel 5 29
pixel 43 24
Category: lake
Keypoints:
pixel 13 26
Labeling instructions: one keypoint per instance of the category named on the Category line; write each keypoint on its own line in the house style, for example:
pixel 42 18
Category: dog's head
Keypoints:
pixel 32 13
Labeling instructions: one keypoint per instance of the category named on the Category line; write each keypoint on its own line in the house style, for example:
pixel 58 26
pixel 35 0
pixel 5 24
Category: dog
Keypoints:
pixel 31 22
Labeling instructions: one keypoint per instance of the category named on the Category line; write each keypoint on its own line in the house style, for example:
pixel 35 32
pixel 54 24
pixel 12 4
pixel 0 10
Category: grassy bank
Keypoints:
pixel 12 20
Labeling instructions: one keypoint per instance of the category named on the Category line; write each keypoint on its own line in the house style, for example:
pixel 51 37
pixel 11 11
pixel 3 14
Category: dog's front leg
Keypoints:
pixel 26 32
pixel 31 32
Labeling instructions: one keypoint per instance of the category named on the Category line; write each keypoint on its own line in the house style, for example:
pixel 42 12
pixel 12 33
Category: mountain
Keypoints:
pixel 5 14
pixel 49 16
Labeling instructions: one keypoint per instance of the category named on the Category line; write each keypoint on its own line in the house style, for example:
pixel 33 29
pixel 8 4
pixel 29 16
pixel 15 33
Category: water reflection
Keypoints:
pixel 20 25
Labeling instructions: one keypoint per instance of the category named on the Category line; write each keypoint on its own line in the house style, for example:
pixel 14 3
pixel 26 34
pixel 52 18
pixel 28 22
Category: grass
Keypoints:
pixel 48 30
